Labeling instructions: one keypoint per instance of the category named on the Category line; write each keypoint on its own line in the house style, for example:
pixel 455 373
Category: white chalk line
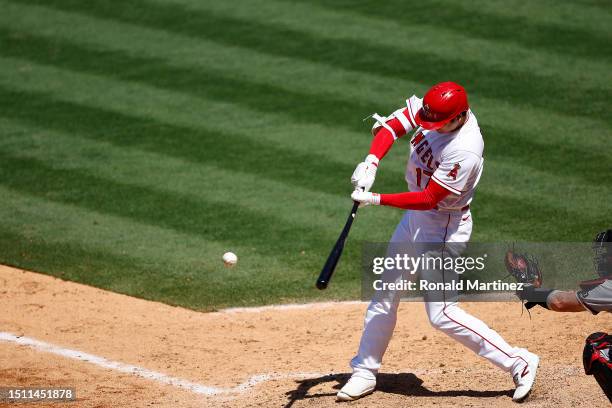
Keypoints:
pixel 202 389
pixel 146 373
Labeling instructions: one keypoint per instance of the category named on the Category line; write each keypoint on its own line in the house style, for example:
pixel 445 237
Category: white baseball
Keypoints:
pixel 230 259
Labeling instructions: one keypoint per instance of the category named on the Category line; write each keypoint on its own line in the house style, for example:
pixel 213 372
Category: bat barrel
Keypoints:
pixel 336 252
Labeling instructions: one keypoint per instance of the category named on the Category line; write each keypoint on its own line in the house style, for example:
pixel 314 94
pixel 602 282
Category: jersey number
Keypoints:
pixel 419 176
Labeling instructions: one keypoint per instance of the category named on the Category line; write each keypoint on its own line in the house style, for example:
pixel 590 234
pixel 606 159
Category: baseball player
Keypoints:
pixel 443 171
pixel 594 296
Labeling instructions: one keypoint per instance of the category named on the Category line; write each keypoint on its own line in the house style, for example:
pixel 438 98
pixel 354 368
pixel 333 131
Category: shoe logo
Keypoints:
pixel 525 372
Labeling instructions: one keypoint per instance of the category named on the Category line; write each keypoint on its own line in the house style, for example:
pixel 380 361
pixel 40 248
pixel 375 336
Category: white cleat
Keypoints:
pixel 525 378
pixel 356 387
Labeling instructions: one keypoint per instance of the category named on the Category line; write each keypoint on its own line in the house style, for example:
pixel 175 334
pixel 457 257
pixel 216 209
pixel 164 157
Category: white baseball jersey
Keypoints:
pixel 454 160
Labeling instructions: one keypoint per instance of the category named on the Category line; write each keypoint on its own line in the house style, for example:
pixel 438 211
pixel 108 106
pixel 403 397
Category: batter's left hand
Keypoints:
pixel 365 198
pixel 364 175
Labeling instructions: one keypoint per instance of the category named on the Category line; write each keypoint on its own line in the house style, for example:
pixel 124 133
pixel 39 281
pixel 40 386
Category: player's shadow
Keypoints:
pixel 406 384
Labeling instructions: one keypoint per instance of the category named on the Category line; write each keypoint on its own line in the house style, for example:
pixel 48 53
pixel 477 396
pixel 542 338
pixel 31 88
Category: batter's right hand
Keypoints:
pixel 365 198
pixel 365 173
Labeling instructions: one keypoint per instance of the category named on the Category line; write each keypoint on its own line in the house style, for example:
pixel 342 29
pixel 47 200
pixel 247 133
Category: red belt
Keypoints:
pixel 467 207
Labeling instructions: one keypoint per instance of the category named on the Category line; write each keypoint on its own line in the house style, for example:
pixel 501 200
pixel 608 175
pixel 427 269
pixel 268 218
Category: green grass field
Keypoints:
pixel 141 139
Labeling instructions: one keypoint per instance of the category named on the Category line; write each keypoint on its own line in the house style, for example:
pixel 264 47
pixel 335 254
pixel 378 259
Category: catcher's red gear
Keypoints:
pixel 597 360
pixel 441 104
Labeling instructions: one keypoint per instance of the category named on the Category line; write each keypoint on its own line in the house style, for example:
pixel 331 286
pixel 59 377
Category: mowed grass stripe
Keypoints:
pixel 148 245
pixel 223 150
pixel 299 249
pixel 199 82
pixel 513 203
pixel 193 289
pixel 349 54
pixel 291 204
pixel 395 181
pixel 374 29
pixel 121 254
pixel 185 284
pixel 378 93
pixel 166 121
pixel 196 53
pixel 468 18
pixel 309 238
pixel 227 223
pixel 193 146
pixel 269 99
pixel 531 208
pixel 300 107
pixel 586 16
pixel 177 108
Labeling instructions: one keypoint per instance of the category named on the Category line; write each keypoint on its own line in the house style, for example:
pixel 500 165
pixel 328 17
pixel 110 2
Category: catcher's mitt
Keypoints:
pixel 523 268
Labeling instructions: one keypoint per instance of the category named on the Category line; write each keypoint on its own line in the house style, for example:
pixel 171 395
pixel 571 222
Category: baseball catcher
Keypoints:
pixel 594 295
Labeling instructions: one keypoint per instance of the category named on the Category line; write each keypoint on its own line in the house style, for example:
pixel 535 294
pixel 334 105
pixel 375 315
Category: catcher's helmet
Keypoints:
pixel 441 104
pixel 602 246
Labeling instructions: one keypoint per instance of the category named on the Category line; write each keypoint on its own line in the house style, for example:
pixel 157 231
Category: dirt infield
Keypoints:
pixel 268 357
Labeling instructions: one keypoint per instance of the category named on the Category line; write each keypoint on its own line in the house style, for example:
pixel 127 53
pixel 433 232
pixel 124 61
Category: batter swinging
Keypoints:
pixel 443 170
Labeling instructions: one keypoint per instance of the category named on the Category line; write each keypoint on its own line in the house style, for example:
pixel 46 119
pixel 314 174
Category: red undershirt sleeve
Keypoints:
pixel 418 200
pixel 383 140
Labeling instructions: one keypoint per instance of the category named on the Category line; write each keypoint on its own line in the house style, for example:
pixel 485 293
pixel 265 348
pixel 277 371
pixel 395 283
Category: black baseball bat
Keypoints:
pixel 336 252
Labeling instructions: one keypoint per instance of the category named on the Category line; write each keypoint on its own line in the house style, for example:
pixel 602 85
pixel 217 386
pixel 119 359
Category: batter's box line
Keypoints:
pixel 142 372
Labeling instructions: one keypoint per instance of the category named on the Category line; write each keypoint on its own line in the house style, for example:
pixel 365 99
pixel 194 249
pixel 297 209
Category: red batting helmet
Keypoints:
pixel 441 104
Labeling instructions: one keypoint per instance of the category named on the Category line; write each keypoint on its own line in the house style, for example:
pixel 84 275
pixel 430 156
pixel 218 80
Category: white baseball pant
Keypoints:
pixel 381 315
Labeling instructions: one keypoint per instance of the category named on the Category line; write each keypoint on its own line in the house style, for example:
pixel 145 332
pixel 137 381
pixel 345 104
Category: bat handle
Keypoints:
pixel 355 207
pixel 356 204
